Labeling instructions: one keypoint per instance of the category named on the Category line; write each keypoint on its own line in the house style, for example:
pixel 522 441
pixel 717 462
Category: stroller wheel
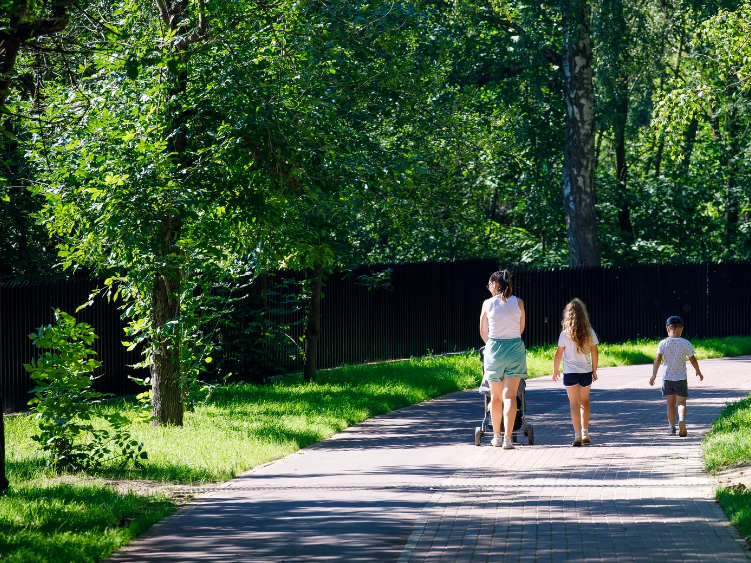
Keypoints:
pixel 530 435
pixel 478 436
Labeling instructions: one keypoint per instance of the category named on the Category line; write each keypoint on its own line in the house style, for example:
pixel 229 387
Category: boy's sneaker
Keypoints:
pixel 585 438
pixel 508 444
pixel 671 430
pixel 497 441
pixel 682 432
pixel 577 441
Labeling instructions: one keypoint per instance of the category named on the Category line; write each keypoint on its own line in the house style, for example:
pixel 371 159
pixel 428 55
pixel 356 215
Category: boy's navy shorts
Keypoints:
pixel 583 379
pixel 678 388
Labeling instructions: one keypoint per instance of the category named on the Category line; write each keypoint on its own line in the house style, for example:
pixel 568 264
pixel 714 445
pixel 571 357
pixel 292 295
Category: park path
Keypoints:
pixel 411 487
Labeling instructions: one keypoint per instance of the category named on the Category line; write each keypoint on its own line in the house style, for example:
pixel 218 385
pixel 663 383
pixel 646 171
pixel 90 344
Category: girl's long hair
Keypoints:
pixel 575 324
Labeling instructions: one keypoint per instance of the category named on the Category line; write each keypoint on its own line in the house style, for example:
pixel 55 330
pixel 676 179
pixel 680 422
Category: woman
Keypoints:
pixel 501 326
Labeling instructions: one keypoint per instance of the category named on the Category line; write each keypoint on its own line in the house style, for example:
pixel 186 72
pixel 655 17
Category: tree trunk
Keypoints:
pixel 4 484
pixel 689 139
pixel 621 166
pixel 579 152
pixel 732 156
pixel 167 396
pixel 313 327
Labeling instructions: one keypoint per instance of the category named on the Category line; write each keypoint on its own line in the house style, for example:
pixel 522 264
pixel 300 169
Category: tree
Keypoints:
pixel 22 20
pixel 579 154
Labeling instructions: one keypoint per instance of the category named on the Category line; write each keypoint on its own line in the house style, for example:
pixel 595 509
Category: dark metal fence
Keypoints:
pixel 430 308
pixel 27 306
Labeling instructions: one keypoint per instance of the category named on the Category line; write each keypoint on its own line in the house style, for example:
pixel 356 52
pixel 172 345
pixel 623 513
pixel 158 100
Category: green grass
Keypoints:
pixel 241 426
pixel 728 444
pixel 729 440
pixel 736 503
pixel 72 522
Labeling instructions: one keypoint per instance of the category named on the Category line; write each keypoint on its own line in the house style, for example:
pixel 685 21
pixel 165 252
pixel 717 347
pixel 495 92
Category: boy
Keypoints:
pixel 674 350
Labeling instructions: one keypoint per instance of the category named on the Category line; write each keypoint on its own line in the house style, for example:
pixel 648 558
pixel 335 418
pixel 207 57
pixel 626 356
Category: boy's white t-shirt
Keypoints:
pixel 674 353
pixel 573 361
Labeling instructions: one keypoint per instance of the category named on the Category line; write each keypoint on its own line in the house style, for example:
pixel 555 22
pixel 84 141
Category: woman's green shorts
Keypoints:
pixel 505 358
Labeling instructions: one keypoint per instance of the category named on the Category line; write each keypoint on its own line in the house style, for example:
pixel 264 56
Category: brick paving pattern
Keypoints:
pixel 411 487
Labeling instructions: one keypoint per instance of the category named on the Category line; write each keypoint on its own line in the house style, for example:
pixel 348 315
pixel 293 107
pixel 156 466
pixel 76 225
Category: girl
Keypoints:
pixel 501 327
pixel 577 345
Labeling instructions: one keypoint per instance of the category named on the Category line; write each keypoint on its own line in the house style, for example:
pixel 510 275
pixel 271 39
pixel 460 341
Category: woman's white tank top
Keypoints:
pixel 504 318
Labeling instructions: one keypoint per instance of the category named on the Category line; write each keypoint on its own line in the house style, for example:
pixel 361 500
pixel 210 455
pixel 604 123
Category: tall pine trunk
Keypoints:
pixel 313 326
pixel 579 152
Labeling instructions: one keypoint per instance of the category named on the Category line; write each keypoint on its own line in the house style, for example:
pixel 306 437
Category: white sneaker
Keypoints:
pixel 508 444
pixel 497 441
pixel 585 438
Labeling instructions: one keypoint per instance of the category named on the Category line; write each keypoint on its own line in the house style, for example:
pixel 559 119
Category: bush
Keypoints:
pixel 65 399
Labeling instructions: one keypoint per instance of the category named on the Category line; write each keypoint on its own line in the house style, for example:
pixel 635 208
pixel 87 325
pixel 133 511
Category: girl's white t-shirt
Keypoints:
pixel 573 361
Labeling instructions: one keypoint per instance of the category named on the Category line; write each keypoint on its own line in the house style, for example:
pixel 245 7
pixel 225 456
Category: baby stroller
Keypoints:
pixel 520 423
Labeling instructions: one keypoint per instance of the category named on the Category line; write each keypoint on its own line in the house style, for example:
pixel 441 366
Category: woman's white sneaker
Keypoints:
pixel 508 444
pixel 497 441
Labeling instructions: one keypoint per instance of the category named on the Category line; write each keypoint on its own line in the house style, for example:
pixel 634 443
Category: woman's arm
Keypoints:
pixel 484 322
pixel 523 320
pixel 557 363
pixel 595 357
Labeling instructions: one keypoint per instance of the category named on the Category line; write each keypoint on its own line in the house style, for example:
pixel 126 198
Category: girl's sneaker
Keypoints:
pixel 671 430
pixel 585 438
pixel 577 441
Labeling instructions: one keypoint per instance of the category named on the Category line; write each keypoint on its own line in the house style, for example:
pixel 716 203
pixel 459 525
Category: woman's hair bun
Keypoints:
pixel 503 279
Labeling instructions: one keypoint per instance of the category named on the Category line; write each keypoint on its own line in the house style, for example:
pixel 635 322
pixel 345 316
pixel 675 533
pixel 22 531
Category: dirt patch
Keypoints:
pixel 176 493
pixel 738 477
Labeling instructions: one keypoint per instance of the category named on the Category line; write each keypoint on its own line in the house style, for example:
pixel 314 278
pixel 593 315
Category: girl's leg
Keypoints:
pixel 510 386
pixel 584 401
pixel 671 409
pixel 496 405
pixel 574 401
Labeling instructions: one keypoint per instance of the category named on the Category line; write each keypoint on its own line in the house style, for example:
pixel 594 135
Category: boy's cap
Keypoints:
pixel 674 320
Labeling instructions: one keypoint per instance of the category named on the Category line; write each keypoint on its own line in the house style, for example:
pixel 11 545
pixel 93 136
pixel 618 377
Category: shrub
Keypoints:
pixel 64 401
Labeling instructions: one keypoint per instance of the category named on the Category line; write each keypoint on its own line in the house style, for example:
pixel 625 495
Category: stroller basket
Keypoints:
pixel 520 422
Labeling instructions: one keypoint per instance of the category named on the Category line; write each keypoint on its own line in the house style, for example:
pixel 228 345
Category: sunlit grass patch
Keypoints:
pixel 62 523
pixel 736 503
pixel 729 440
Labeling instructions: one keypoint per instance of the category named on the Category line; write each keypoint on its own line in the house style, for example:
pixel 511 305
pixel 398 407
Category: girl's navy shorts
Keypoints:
pixel 583 379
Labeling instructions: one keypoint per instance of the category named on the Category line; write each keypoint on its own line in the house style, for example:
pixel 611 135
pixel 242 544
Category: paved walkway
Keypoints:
pixel 411 486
